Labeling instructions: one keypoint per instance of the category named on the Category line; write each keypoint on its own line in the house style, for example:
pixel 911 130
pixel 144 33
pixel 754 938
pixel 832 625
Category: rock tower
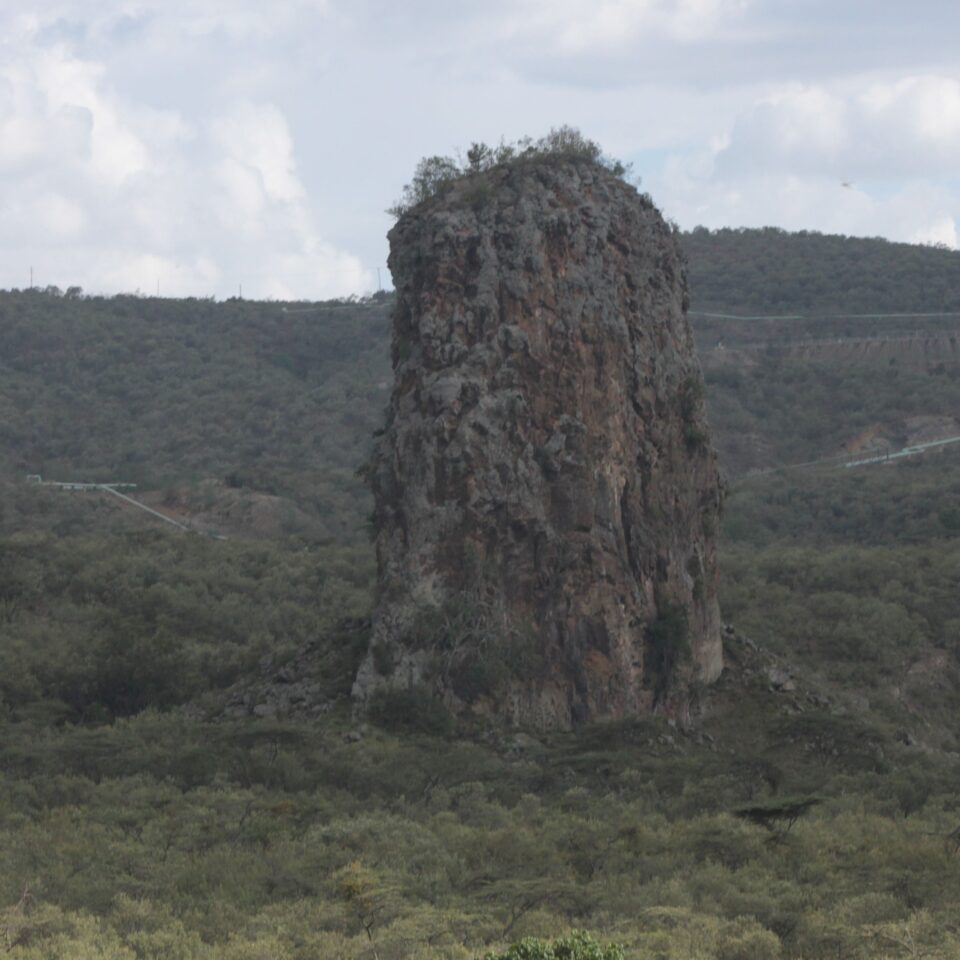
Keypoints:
pixel 547 497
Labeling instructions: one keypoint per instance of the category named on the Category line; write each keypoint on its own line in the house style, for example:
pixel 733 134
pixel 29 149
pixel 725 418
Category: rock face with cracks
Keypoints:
pixel 547 497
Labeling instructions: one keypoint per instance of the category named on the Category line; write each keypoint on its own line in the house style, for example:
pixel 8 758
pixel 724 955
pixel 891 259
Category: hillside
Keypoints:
pixel 850 357
pixel 182 776
pixel 282 399
pixel 274 398
pixel 811 813
pixel 770 408
pixel 773 271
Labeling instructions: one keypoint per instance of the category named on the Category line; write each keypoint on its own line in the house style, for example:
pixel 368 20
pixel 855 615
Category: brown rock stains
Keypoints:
pixel 546 493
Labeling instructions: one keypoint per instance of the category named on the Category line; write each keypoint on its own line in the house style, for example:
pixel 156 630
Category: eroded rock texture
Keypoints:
pixel 547 498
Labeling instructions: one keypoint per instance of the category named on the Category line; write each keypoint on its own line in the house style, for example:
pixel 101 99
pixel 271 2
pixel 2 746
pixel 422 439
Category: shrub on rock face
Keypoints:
pixel 669 642
pixel 410 709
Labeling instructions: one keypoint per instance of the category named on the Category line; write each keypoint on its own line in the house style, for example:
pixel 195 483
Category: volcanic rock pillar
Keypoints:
pixel 547 497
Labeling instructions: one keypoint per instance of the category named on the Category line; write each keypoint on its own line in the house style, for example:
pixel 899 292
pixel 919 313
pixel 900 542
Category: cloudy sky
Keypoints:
pixel 192 146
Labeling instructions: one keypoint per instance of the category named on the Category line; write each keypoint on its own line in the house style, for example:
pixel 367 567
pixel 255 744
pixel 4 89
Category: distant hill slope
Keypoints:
pixel 278 398
pixel 772 271
pixel 133 827
pixel 282 399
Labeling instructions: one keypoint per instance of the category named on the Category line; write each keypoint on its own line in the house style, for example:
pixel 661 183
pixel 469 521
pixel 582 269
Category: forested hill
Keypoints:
pixel 280 398
pixel 771 271
pixel 182 772
pixel 283 399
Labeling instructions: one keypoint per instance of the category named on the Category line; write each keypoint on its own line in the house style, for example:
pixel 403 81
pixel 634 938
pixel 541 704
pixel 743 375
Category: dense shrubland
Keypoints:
pixel 104 626
pixel 132 829
pixel 772 271
pixel 780 409
pixel 158 835
pixel 280 399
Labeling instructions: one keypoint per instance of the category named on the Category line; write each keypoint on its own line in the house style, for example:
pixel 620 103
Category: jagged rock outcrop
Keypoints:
pixel 546 494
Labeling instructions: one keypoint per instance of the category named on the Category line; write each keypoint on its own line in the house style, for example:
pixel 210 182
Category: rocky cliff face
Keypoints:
pixel 546 494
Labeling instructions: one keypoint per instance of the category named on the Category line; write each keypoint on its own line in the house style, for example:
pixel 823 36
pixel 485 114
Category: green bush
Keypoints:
pixel 668 638
pixel 434 176
pixel 578 946
pixel 478 647
pixel 411 709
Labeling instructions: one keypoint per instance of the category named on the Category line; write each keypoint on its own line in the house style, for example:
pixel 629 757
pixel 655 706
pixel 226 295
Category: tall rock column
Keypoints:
pixel 547 498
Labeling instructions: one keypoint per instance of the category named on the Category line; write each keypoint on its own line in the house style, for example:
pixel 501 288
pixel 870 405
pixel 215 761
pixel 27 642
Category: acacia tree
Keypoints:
pixel 578 946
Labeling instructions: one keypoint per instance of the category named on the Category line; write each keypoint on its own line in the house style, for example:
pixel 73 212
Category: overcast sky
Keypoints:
pixel 204 144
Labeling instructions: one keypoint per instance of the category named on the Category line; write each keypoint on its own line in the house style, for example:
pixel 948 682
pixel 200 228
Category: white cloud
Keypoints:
pixel 581 26
pixel 908 127
pixel 942 232
pixel 58 217
pixel 286 275
pixel 236 18
pixel 213 142
pixel 148 273
pixel 105 191
pixel 867 157
pixel 257 138
pixel 114 20
pixel 923 110
pixel 74 103
pixel 693 193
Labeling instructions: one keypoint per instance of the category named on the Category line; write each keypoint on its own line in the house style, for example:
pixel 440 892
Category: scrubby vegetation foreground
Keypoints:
pixel 162 837
pixel 812 814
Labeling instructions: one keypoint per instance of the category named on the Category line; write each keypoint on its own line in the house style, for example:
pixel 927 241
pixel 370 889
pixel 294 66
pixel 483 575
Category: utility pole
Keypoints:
pixel 31 278
pixel 379 286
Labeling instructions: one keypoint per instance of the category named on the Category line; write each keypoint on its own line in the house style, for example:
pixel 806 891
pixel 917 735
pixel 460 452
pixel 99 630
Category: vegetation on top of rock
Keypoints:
pixel 434 175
